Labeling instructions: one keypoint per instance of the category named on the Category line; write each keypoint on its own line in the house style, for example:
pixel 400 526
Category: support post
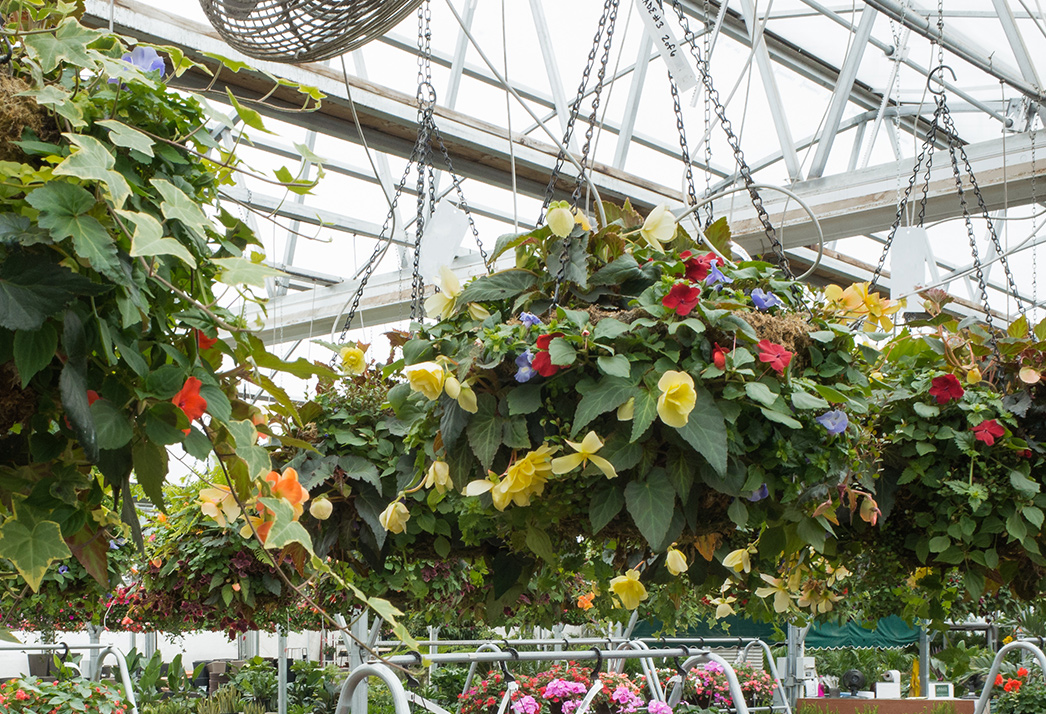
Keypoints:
pixel 358 703
pixel 281 646
pixel 94 632
pixel 924 662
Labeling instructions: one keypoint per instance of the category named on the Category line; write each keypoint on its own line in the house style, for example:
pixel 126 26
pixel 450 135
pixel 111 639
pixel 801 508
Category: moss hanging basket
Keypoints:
pixel 669 398
pixel 303 30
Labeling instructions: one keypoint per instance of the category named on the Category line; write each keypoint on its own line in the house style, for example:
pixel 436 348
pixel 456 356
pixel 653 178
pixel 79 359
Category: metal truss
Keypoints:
pixel 850 175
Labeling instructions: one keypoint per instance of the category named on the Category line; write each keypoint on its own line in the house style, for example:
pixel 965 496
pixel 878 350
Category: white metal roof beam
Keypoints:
pixel 773 96
pixel 1013 36
pixel 865 201
pixel 841 95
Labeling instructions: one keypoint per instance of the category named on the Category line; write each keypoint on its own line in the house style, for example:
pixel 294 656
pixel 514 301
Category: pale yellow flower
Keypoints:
pixel 627 411
pixel 219 504
pixel 676 561
pixel 818 598
pixel 856 301
pixel 586 451
pixel 321 509
pixel 442 304
pixel 559 218
pixel 782 598
pixel 478 312
pixel 582 220
pixel 353 360
pixel 837 574
pixel 394 518
pixel 524 479
pixel 724 603
pixel 628 588
pixel 463 393
pixel 659 227
pixel 427 378
pixel 739 560
pixel 677 399
pixel 438 476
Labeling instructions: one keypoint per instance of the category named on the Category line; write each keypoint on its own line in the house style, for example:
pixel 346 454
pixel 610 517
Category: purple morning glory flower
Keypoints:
pixel 716 276
pixel 115 544
pixel 759 495
pixel 529 319
pixel 526 372
pixel 834 421
pixel 765 300
pixel 146 59
pixel 63 569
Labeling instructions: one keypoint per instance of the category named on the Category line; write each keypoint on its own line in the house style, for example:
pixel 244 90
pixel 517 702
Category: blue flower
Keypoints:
pixel 716 276
pixel 526 372
pixel 529 319
pixel 765 301
pixel 759 495
pixel 834 421
pixel 116 543
pixel 63 569
pixel 146 59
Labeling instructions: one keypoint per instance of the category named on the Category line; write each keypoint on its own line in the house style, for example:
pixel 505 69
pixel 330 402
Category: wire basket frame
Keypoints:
pixel 303 30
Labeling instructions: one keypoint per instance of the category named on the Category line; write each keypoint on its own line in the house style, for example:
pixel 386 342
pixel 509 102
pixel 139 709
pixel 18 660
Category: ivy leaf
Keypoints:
pixel 605 506
pixel 34 350
pixel 249 116
pixel 609 393
pixel 177 206
pixel 128 137
pixel 60 101
pixel 236 271
pixel 148 239
pixel 67 45
pixel 64 213
pixel 648 503
pixel 705 431
pixel 256 457
pixel 32 550
pixel 498 286
pixel 285 530
pixel 485 431
pixel 93 162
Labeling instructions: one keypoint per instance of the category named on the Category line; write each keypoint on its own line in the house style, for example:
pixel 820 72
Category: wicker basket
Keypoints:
pixel 303 30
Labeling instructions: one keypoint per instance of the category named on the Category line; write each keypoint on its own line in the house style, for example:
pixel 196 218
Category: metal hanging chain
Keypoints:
pixel 597 94
pixel 426 96
pixel 1035 249
pixel 575 109
pixel 742 166
pixel 691 190
pixel 706 38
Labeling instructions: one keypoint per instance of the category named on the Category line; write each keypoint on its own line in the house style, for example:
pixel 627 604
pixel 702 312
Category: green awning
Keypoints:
pixel 889 633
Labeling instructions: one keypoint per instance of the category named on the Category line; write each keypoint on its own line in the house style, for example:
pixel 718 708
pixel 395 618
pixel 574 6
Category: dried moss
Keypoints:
pixel 18 114
pixel 790 331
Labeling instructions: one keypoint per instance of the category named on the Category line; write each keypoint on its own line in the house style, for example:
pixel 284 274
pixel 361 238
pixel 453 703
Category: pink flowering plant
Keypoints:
pixel 69 696
pixel 706 686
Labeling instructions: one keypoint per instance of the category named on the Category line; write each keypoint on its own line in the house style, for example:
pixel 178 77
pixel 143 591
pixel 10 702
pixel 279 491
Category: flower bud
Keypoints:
pixel 676 561
pixel 560 220
pixel 321 509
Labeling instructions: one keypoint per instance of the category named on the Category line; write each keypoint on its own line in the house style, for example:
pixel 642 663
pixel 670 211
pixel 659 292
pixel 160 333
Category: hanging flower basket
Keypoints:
pixel 669 398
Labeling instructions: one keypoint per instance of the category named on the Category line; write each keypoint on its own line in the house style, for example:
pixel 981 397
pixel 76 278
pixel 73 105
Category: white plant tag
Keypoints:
pixel 664 38
pixel 442 240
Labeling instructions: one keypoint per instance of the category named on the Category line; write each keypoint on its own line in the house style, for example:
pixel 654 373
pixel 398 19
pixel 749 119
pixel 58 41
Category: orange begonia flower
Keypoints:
pixel 188 399
pixel 288 488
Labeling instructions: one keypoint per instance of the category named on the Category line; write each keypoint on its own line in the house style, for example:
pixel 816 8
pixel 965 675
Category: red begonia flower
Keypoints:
pixel 774 355
pixel 188 399
pixel 988 431
pixel 682 298
pixel 544 340
pixel 542 362
pixel 946 388
pixel 92 397
pixel 203 341
pixel 719 356
pixel 697 268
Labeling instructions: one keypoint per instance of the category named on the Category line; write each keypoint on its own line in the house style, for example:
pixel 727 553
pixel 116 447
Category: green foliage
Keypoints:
pixel 29 695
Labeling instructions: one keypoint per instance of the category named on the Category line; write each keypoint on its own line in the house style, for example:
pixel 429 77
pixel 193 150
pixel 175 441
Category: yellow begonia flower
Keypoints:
pixel 463 393
pixel 559 218
pixel 627 411
pixel 427 378
pixel 677 399
pixel 394 518
pixel 321 509
pixel 438 475
pixel 442 303
pixel 353 360
pixel 478 312
pixel 582 220
pixel 856 302
pixel 586 451
pixel 782 598
pixel 659 227
pixel 816 597
pixel 522 480
pixel 724 606
pixel 676 561
pixel 629 589
pixel 219 504
pixel 739 560
pixel 257 522
pixel 837 574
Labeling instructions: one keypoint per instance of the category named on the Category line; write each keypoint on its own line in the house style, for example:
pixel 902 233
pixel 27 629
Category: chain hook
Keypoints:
pixel 940 91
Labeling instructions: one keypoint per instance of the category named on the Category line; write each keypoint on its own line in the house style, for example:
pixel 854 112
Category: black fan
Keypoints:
pixel 853 679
